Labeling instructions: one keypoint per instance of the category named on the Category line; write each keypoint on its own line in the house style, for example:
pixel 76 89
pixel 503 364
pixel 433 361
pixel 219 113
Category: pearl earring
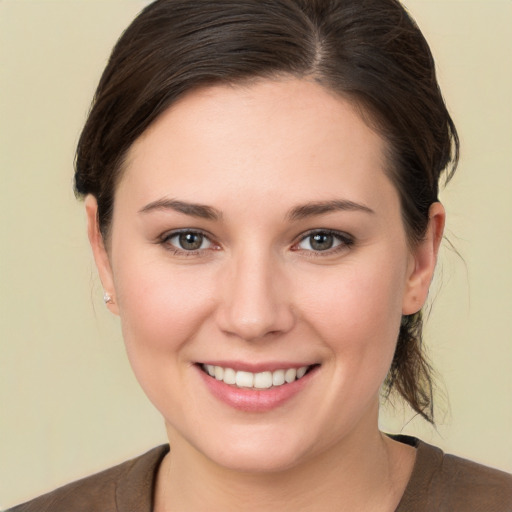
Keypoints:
pixel 107 298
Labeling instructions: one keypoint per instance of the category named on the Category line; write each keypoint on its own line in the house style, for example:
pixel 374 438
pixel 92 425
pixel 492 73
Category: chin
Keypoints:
pixel 259 458
pixel 262 449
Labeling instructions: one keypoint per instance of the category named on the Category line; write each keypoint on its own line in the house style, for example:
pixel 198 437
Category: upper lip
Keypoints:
pixel 253 367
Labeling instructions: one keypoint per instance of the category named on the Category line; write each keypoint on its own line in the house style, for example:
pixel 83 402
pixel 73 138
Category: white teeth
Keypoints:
pixel 301 372
pixel 219 372
pixel 244 379
pixel 278 378
pixel 290 375
pixel 229 376
pixel 261 380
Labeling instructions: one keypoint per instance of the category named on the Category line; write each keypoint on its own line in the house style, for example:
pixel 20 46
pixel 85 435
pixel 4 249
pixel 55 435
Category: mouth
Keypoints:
pixel 257 380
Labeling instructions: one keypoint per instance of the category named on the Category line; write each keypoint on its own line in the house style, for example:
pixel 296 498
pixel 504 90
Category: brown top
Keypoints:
pixel 445 483
pixel 439 483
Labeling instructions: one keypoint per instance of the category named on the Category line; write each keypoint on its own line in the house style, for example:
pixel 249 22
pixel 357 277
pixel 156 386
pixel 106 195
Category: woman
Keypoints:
pixel 261 187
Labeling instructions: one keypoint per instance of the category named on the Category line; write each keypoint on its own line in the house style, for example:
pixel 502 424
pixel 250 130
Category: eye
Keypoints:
pixel 188 241
pixel 324 241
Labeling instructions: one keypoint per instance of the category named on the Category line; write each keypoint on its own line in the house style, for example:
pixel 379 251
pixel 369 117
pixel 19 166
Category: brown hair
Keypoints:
pixel 369 51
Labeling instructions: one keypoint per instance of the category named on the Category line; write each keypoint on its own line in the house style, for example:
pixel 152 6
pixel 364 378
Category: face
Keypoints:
pixel 256 237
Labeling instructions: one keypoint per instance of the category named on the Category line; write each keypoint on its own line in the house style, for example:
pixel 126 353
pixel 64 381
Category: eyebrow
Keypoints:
pixel 193 209
pixel 322 207
pixel 297 213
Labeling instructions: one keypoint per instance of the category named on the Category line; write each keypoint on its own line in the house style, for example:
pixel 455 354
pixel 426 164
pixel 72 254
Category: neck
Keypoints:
pixel 366 472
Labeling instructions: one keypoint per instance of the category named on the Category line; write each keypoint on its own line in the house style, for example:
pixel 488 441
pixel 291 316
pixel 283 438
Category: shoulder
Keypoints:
pixel 127 486
pixel 444 482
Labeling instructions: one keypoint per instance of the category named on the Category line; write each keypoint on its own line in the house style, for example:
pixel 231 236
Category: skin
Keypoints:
pixel 257 292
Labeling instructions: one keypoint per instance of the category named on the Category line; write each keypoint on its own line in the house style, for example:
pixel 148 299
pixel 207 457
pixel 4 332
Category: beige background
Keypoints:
pixel 69 405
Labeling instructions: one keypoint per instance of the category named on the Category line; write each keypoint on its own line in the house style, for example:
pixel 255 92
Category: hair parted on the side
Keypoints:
pixel 368 51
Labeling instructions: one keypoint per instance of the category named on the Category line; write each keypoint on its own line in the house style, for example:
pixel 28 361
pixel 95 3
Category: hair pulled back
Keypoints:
pixel 368 51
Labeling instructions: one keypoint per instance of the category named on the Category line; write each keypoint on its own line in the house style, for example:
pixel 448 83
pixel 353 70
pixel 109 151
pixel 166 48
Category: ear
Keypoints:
pixel 99 251
pixel 423 262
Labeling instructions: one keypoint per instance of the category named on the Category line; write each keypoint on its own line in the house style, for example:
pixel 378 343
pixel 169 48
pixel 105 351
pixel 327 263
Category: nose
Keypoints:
pixel 255 298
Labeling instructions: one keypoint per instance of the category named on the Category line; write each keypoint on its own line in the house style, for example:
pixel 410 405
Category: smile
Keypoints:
pixel 265 388
pixel 260 380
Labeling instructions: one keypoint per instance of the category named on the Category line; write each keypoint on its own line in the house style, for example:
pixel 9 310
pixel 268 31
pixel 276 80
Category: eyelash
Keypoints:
pixel 345 242
pixel 177 251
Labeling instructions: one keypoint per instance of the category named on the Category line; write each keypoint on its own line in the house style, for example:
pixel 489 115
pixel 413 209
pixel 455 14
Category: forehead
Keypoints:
pixel 261 139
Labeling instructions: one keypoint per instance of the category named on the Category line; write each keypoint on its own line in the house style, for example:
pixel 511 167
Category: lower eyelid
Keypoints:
pixel 342 239
pixel 165 240
pixel 344 242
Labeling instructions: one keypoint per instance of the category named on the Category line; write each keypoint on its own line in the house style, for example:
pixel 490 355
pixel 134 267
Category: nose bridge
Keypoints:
pixel 254 296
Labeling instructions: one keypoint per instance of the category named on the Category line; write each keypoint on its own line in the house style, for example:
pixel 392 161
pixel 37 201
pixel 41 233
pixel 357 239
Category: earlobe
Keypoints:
pixel 423 262
pixel 100 252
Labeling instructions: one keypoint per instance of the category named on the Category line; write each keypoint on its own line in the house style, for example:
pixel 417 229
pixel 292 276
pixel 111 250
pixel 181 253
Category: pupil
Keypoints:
pixel 191 241
pixel 321 241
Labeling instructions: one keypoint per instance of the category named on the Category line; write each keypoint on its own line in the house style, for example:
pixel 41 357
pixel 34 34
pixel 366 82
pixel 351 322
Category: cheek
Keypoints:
pixel 161 308
pixel 358 316
pixel 162 313
pixel 358 298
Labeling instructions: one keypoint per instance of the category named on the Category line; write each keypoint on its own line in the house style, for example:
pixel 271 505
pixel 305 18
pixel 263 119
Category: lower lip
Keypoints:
pixel 255 400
